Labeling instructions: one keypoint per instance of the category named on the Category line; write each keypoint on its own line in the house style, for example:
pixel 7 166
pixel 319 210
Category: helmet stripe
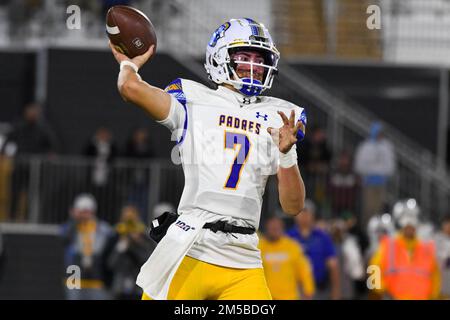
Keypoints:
pixel 255 27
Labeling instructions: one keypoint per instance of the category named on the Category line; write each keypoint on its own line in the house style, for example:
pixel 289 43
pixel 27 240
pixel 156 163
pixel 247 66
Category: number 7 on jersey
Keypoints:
pixel 233 139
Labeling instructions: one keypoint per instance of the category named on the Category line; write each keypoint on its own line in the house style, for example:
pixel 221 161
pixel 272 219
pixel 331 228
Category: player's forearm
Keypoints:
pixel 132 88
pixel 291 190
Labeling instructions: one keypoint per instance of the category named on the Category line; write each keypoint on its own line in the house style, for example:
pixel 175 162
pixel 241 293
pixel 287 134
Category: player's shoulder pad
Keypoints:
pixel 175 88
pixel 280 104
pixel 186 90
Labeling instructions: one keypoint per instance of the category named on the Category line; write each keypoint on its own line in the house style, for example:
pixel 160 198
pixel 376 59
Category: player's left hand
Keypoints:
pixel 286 136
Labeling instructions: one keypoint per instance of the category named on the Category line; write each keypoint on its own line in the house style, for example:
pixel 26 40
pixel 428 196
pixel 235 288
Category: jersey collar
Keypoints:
pixel 237 96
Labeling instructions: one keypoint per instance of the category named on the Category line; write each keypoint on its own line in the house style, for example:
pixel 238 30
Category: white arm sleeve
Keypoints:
pixel 176 117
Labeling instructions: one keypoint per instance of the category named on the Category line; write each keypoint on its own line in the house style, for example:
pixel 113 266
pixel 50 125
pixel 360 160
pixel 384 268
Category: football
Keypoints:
pixel 130 30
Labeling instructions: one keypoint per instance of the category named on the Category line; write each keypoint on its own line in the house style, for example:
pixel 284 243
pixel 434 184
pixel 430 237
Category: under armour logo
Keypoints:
pixel 258 115
pixel 246 100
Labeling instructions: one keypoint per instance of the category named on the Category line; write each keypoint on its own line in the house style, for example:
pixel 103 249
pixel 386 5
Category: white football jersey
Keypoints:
pixel 227 156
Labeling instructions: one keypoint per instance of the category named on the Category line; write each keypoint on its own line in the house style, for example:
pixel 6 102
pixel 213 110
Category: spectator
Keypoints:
pixel 138 145
pixel 286 268
pixel 375 162
pixel 351 263
pixel 321 223
pixel 353 229
pixel 131 250
pixel 408 265
pixel 87 240
pixel 103 151
pixel 379 226
pixel 316 155
pixel 442 240
pixel 320 250
pixel 315 159
pixel 139 148
pixel 343 186
pixel 30 136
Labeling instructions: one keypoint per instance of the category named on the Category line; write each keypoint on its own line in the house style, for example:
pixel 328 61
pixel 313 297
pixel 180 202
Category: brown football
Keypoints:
pixel 130 30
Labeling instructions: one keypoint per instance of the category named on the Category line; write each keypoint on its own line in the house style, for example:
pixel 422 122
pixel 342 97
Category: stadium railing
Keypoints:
pixel 42 190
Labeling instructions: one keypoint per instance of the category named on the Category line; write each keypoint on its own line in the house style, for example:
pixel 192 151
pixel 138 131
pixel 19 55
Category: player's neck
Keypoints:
pixel 242 99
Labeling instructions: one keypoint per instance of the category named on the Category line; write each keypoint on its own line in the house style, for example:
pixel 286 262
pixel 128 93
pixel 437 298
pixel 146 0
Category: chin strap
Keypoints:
pixel 249 89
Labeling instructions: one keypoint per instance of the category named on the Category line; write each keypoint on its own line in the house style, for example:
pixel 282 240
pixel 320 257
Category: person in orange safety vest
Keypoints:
pixel 408 265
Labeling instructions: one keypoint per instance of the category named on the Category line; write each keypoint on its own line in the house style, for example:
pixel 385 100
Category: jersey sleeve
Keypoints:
pixel 177 120
pixel 302 117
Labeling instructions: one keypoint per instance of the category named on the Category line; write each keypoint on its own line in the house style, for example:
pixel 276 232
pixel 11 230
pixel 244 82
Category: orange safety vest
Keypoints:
pixel 407 276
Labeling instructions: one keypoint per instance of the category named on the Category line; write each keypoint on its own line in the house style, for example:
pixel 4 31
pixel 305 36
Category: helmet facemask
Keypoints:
pixel 251 84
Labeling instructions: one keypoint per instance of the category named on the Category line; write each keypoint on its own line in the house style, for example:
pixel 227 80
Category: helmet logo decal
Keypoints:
pixel 219 33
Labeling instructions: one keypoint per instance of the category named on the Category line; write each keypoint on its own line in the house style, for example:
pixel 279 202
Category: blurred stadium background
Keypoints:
pixel 347 77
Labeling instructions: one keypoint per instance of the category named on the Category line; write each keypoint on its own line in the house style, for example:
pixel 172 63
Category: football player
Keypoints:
pixel 230 140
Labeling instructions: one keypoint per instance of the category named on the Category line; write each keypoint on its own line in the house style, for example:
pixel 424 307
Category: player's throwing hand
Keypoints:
pixel 138 61
pixel 286 136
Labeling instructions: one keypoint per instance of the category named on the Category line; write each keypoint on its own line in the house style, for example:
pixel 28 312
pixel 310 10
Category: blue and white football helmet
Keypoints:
pixel 238 34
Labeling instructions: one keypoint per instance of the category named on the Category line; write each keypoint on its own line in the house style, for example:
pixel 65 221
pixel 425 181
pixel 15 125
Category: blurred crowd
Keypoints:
pixel 397 257
pixel 349 223
pixel 307 257
pixel 32 135
pixel 108 257
pixel 34 19
pixel 352 241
